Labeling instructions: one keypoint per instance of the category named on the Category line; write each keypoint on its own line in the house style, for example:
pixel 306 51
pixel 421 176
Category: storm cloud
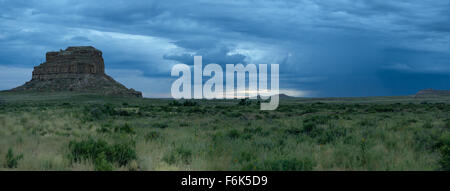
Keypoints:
pixel 324 48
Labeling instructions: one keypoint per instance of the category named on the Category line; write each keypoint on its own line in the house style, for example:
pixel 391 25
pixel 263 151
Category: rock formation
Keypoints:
pixel 432 93
pixel 70 63
pixel 75 69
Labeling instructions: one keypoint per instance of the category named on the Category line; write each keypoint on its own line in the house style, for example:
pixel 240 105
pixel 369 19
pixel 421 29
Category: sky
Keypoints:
pixel 326 48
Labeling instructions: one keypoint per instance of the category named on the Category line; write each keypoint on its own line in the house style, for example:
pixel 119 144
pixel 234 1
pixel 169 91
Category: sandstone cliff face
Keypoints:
pixel 69 63
pixel 75 69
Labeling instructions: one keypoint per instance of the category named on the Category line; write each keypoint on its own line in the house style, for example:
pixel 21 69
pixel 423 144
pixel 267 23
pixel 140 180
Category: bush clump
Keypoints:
pixel 308 127
pixel 12 160
pixel 180 153
pixel 293 131
pixel 175 103
pixel 233 134
pixel 426 139
pixel 322 134
pixel 161 125
pixel 153 135
pixel 126 129
pixel 101 153
pixel 318 119
pixel 380 109
pixel 447 124
pixel 289 164
pixel 185 103
pixel 190 103
pixel 99 112
pixel 444 149
pixel 245 102
pixel 101 163
pixel 428 125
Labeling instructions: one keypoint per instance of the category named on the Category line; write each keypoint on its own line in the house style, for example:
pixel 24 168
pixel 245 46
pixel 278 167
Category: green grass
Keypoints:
pixel 63 131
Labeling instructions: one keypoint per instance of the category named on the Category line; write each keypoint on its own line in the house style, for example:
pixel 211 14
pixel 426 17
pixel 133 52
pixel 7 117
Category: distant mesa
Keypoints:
pixel 284 96
pixel 80 69
pixel 432 93
pixel 280 96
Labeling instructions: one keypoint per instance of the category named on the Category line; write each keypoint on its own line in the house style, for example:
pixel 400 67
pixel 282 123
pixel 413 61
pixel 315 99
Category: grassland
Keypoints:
pixel 66 131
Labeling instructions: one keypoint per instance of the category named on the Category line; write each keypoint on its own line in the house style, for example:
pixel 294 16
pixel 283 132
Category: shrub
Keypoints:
pixel 327 135
pixel 234 114
pixel 11 160
pixel 153 135
pixel 308 127
pixel 323 135
pixel 412 121
pixel 96 113
pixel 169 158
pixel 220 107
pixel 127 129
pixel 428 125
pixel 175 103
pixel 245 102
pixel 426 139
pixel 184 153
pixel 318 119
pixel 246 156
pixel 104 129
pixel 93 150
pixel 255 130
pixel 367 123
pixel 447 124
pixel 122 112
pixel 101 163
pixel 233 134
pixel 87 149
pixel 445 160
pixel 190 103
pixel 444 149
pixel 293 131
pixel 289 164
pixel 382 108
pixel 180 153
pixel 284 108
pixel 247 136
pixel 350 110
pixel 184 124
pixel 196 110
pixel 216 137
pixel 363 152
pixel 99 112
pixel 309 110
pixel 165 108
pixel 122 154
pixel 161 125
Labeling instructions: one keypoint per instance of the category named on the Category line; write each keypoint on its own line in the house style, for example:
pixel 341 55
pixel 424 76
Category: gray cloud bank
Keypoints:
pixel 326 48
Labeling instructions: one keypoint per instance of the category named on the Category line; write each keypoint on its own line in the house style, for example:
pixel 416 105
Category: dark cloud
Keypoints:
pixel 80 39
pixel 217 55
pixel 334 48
pixel 406 83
